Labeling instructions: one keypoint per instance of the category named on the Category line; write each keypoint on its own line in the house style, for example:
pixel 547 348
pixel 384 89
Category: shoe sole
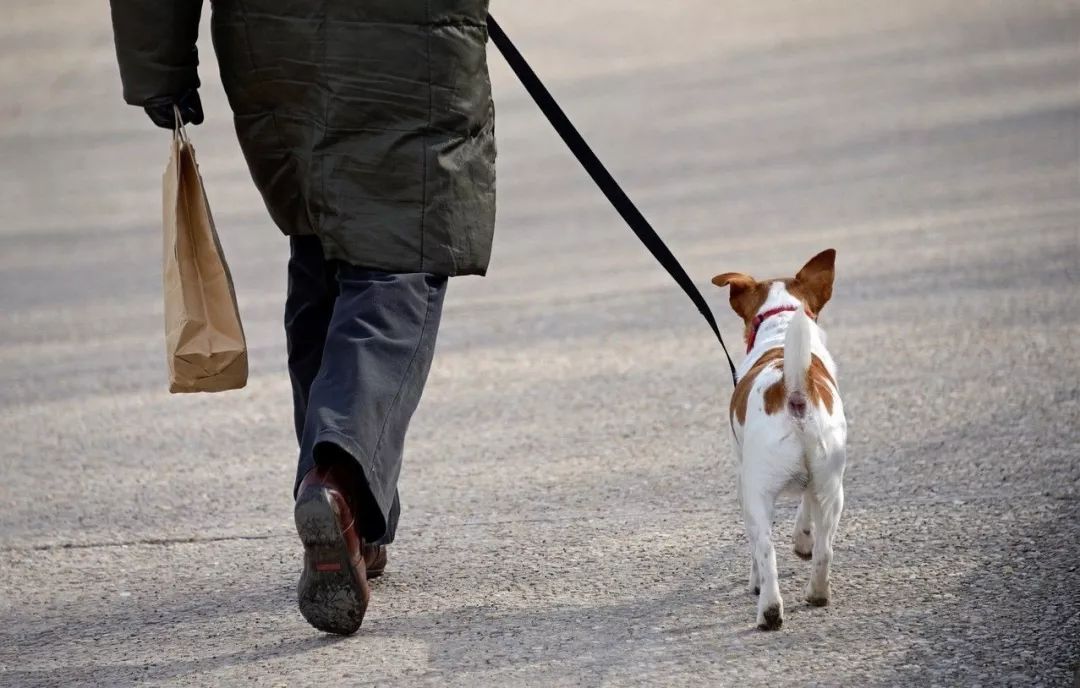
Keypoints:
pixel 332 595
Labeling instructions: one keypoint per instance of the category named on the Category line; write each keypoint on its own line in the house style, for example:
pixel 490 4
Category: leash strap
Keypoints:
pixel 603 178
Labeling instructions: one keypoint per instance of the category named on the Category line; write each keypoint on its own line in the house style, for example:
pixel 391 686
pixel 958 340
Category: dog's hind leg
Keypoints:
pixel 758 498
pixel 803 542
pixel 826 505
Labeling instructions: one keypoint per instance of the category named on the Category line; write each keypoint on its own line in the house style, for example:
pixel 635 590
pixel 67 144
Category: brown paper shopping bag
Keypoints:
pixel 203 336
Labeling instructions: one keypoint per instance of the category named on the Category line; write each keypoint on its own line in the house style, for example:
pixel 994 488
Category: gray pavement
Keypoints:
pixel 570 515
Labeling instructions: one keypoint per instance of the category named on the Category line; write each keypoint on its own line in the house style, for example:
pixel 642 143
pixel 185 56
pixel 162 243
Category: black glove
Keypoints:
pixel 160 109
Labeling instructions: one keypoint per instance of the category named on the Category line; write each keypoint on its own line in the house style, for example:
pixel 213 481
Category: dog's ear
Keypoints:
pixel 743 287
pixel 816 279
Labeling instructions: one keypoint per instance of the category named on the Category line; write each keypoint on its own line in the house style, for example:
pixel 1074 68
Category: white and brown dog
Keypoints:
pixel 788 424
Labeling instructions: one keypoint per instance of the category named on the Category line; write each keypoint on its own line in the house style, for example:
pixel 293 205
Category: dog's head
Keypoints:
pixel 811 288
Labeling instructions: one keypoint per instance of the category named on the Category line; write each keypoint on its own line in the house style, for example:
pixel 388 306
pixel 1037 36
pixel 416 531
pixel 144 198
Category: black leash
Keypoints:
pixel 603 178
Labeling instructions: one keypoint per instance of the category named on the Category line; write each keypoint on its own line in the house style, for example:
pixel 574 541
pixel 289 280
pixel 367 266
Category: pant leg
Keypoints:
pixel 375 362
pixel 309 306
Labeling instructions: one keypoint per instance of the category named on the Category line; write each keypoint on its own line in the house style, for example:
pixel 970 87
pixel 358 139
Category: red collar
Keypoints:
pixel 762 317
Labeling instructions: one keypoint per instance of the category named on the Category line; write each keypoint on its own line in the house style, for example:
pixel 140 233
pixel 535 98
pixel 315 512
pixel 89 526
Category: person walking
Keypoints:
pixel 368 128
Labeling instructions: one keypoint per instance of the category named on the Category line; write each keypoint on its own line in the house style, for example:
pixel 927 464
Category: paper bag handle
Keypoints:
pixel 178 128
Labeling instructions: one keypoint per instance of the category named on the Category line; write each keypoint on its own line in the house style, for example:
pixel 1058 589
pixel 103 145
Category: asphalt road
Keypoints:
pixel 569 487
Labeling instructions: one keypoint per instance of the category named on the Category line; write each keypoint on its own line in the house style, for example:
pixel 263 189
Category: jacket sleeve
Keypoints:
pixel 155 46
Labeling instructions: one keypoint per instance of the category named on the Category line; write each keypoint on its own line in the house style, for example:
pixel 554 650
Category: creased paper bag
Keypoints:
pixel 204 339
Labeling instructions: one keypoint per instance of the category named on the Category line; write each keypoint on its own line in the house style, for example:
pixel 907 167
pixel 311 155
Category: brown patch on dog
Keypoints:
pixel 775 395
pixel 818 381
pixel 741 395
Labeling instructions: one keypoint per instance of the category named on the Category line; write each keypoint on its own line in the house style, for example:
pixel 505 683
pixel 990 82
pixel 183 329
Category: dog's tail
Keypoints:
pixel 797 363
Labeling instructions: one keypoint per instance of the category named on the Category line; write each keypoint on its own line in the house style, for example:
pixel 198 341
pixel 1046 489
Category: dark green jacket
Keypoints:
pixel 367 122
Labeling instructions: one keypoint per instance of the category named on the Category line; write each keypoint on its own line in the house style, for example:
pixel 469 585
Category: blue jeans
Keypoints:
pixel 360 345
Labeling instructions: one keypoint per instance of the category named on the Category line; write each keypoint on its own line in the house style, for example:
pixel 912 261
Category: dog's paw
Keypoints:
pixel 803 544
pixel 818 598
pixel 771 618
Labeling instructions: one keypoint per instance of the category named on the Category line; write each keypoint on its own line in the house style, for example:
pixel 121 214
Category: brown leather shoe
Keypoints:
pixel 375 560
pixel 333 590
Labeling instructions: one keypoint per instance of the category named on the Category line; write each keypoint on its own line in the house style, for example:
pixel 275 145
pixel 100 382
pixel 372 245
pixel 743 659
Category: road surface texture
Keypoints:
pixel 569 485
